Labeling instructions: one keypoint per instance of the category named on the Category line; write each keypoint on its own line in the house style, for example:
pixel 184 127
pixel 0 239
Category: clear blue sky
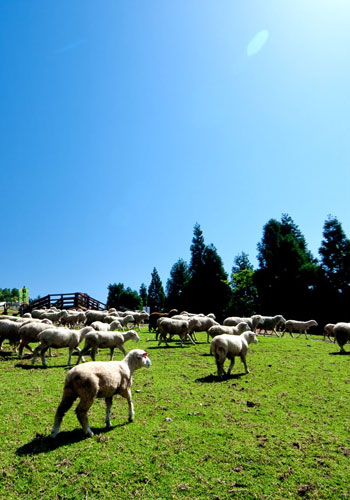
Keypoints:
pixel 125 122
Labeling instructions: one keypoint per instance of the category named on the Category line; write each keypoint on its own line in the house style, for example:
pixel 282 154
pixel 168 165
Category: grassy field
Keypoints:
pixel 282 431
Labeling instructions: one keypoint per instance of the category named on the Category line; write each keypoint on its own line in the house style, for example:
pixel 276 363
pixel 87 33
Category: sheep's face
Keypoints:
pixel 144 359
pixel 252 338
pixel 135 337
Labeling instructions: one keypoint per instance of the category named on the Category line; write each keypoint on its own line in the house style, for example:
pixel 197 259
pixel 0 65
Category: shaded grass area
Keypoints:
pixel 281 431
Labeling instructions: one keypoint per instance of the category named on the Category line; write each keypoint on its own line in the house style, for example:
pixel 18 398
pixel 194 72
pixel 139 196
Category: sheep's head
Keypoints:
pixel 134 336
pixel 251 337
pixel 242 326
pixel 141 358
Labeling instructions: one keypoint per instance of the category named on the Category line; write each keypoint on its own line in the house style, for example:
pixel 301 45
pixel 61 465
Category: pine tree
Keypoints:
pixel 143 294
pixel 335 267
pixel 287 276
pixel 244 291
pixel 123 298
pixel 156 295
pixel 335 255
pixel 197 251
pixel 176 286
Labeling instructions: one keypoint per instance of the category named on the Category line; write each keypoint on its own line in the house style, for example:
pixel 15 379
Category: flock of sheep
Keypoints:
pixel 57 329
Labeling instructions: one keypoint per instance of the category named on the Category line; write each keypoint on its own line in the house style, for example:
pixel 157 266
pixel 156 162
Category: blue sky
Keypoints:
pixel 123 123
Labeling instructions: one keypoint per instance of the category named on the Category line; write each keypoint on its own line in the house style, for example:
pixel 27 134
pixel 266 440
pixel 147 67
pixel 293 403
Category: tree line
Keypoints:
pixel 9 295
pixel 289 280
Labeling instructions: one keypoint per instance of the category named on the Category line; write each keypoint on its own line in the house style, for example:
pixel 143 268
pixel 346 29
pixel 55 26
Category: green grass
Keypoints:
pixel 281 431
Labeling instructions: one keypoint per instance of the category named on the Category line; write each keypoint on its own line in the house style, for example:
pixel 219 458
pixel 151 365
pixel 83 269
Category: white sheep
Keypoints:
pixel 342 334
pixel 101 379
pixel 298 326
pixel 229 330
pixel 174 327
pixel 201 324
pixel 58 338
pixel 106 340
pixel 99 326
pixel 29 332
pixel 328 330
pixel 9 330
pixel 271 323
pixel 229 346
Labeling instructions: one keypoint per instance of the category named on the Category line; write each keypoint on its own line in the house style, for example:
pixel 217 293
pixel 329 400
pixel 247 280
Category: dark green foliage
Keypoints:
pixel 287 277
pixel 244 292
pixel 197 251
pixel 176 286
pixel 123 298
pixel 207 290
pixel 143 294
pixel 335 268
pixel 7 295
pixel 335 255
pixel 156 295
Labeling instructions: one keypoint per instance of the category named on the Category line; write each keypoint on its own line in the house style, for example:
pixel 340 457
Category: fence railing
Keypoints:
pixel 66 301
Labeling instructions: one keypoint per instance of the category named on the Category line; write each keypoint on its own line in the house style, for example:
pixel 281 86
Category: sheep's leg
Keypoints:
pixel 244 362
pixel 42 354
pixel 108 411
pixel 80 354
pixel 81 411
pixel 220 366
pixel 20 349
pixel 35 353
pixel 93 353
pixel 231 365
pixel 131 406
pixel 71 349
pixel 68 399
pixel 121 347
pixel 111 355
pixel 276 332
pixel 189 336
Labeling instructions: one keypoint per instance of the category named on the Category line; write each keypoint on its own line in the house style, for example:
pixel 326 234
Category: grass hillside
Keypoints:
pixel 282 431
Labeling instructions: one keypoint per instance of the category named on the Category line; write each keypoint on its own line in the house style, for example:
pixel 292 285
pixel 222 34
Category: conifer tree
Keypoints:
pixel 143 294
pixel 176 286
pixel 156 295
pixel 287 276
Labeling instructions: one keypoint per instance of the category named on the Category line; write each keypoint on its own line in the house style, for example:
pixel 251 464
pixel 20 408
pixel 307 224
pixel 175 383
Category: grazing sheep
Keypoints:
pixel 29 332
pixel 139 318
pixel 342 334
pixel 271 323
pixel 229 330
pixel 328 330
pixel 298 326
pixel 71 319
pixel 101 379
pixel 229 346
pixel 9 330
pixel 107 340
pixel 99 326
pixel 202 324
pixel 174 327
pixel 59 337
pixel 153 318
pixel 92 316
pixel 234 320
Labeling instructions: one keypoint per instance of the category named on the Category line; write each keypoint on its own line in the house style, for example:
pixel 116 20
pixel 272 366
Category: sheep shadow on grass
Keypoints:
pixel 177 346
pixel 339 353
pixel 44 444
pixel 39 367
pixel 209 379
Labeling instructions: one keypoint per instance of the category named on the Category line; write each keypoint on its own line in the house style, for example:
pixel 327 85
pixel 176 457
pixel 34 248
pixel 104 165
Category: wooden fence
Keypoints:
pixel 66 301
